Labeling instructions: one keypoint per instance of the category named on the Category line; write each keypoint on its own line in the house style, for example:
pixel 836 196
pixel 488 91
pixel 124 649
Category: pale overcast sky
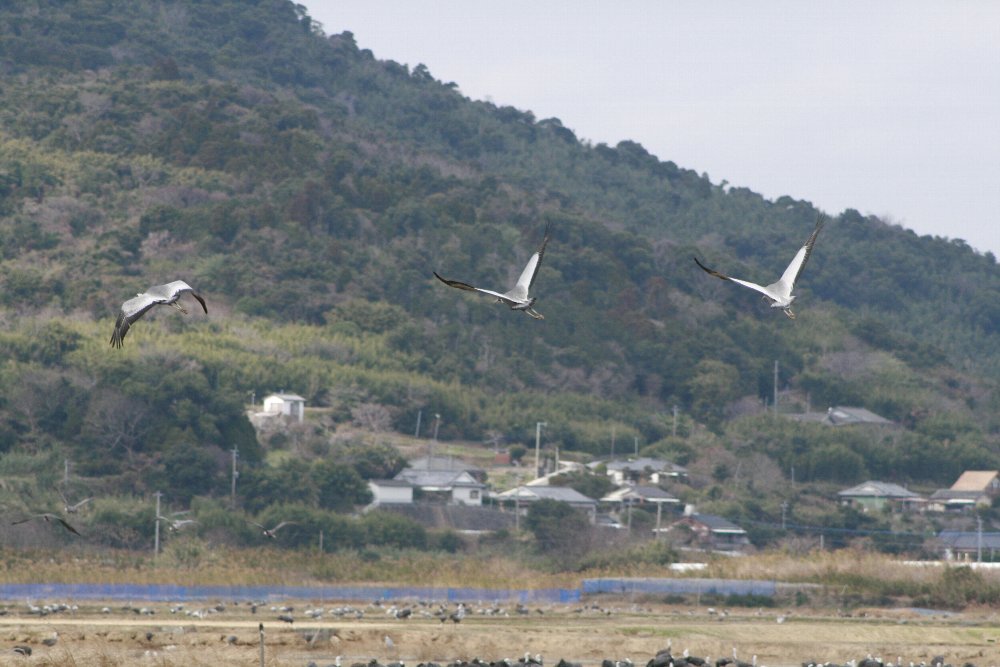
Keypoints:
pixel 889 107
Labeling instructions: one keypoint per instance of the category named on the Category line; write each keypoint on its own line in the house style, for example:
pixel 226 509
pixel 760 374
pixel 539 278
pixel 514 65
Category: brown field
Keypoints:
pixel 586 634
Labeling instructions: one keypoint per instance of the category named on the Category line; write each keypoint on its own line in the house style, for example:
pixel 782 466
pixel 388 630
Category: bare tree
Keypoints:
pixel 119 423
pixel 372 416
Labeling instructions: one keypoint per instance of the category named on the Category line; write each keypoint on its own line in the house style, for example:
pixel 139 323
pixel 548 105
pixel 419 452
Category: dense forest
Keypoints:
pixel 308 190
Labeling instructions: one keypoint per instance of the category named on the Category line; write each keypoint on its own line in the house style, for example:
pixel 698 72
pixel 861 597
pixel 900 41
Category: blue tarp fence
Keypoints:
pixel 167 592
pixel 175 593
pixel 685 586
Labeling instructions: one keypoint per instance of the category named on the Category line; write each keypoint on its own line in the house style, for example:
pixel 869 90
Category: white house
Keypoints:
pixel 453 487
pixel 630 471
pixel 390 492
pixel 290 405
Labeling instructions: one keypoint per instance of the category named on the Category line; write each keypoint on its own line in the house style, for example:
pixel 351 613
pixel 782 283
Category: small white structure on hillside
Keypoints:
pixel 290 405
pixel 390 492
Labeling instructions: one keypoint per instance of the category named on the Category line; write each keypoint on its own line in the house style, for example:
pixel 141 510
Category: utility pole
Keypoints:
pixel 253 398
pixel 235 473
pixel 784 511
pixel 65 471
pixel 437 423
pixel 979 539
pixel 156 532
pixel 673 431
pixel 612 442
pixel 420 414
pixel 635 438
pixel 775 387
pixel 538 447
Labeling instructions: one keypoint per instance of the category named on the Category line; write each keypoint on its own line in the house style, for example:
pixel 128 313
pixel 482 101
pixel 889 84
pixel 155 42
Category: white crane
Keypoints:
pixel 173 524
pixel 72 508
pixel 271 532
pixel 778 293
pixel 158 295
pixel 517 297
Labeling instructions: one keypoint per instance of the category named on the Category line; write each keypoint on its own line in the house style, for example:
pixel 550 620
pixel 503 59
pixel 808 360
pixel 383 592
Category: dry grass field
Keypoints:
pixel 580 633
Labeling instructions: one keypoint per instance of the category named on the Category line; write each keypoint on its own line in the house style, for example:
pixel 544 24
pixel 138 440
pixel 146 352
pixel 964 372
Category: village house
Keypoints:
pixel 973 488
pixel 523 496
pixel 877 496
pixel 444 486
pixel 643 496
pixel 644 469
pixel 288 405
pixel 968 545
pixel 447 464
pixel 707 531
pixel 842 416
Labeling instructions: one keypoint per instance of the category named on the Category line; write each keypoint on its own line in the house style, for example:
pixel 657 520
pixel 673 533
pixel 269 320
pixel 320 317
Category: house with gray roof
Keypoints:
pixel 841 415
pixel 972 488
pixel 525 495
pixel 444 486
pixel 875 496
pixel 627 497
pixel 968 545
pixel 633 470
pixel 448 464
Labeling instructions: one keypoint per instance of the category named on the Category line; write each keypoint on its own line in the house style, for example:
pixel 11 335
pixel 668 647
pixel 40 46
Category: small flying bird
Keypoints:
pixel 778 293
pixel 517 298
pixel 48 517
pixel 74 507
pixel 270 532
pixel 174 525
pixel 159 295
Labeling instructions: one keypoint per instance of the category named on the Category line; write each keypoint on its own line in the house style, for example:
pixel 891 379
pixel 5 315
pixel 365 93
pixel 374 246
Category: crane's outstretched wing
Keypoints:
pixel 791 274
pixel 470 288
pixel 47 516
pixel 66 525
pixel 131 311
pixel 77 506
pixel 527 278
pixel 746 283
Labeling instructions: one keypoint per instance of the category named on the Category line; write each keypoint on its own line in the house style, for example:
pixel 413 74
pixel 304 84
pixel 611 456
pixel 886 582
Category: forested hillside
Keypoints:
pixel 308 190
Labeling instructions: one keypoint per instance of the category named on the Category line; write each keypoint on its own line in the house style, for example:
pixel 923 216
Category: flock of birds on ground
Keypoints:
pixel 404 612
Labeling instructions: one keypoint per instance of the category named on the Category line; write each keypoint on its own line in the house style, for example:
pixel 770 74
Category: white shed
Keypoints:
pixel 290 405
pixel 391 491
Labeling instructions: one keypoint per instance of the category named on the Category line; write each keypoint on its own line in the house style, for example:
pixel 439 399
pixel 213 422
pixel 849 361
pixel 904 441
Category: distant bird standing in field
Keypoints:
pixel 48 517
pixel 517 297
pixel 270 532
pixel 159 295
pixel 778 293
